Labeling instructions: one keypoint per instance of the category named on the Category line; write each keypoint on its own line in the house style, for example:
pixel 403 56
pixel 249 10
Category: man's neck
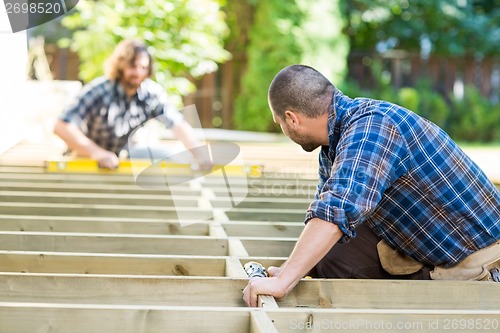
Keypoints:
pixel 129 90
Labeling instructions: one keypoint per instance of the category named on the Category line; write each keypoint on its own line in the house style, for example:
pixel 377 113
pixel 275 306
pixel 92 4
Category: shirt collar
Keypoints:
pixel 336 117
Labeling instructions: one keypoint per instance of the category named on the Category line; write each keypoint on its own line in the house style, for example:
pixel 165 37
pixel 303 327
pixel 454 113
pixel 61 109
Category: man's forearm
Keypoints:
pixel 185 133
pixel 317 238
pixel 75 139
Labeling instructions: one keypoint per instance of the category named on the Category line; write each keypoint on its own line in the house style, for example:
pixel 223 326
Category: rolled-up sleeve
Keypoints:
pixel 164 110
pixel 370 156
pixel 87 101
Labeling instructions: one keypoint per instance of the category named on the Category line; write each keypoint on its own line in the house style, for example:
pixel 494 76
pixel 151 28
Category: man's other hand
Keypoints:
pixel 106 159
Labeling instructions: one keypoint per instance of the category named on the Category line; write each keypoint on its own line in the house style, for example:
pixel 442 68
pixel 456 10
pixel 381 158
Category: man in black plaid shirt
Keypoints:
pixel 110 108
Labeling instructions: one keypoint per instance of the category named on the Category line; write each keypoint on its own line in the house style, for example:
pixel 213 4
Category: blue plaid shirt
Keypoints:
pixel 404 177
pixel 107 116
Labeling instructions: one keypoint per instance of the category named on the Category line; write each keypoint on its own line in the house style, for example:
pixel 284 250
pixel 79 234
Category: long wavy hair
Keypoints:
pixel 123 56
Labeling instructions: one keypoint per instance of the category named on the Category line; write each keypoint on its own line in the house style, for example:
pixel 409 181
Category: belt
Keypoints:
pixel 482 265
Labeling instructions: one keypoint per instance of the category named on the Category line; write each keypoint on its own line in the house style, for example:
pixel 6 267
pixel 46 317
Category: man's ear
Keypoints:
pixel 292 117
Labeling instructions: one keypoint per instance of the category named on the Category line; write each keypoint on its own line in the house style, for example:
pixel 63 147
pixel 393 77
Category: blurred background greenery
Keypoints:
pixel 439 58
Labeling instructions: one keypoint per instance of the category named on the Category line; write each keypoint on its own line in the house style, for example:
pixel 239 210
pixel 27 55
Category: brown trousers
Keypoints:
pixel 358 259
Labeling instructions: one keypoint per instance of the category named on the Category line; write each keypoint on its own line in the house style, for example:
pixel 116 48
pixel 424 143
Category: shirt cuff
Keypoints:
pixel 333 215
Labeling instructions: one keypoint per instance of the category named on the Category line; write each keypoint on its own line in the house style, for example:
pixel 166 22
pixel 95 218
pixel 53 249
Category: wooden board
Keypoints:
pixel 95 187
pixel 112 243
pixel 62 209
pixel 98 224
pixel 122 289
pixel 221 291
pixel 40 317
pixel 394 294
pixel 81 318
pixel 394 320
pixel 261 247
pixel 114 264
pixel 98 198
pixel 263 229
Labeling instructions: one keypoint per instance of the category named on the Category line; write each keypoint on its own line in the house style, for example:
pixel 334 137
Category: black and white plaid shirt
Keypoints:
pixel 107 116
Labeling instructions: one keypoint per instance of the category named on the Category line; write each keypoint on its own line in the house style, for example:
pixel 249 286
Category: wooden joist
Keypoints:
pixel 223 291
pixel 92 188
pixel 81 318
pixel 263 229
pixel 62 209
pixel 113 243
pixel 114 264
pixel 98 198
pixel 99 224
pixel 138 225
pixel 127 264
pixel 122 289
pixel 42 317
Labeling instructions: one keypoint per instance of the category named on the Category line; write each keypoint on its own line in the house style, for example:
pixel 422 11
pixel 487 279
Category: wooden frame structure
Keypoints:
pixel 85 252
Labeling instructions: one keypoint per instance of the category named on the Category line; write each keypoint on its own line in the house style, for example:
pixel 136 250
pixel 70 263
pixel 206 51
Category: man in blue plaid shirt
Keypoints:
pixel 110 108
pixel 397 198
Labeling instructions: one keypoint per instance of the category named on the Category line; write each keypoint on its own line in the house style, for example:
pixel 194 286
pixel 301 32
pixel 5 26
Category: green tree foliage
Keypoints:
pixel 284 33
pixel 184 36
pixel 474 117
pixel 273 45
pixel 324 46
pixel 425 101
pixel 455 28
pixel 471 117
pixel 437 26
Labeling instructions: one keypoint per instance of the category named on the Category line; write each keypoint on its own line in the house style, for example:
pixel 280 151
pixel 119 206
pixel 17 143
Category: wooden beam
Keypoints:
pixel 115 225
pixel 122 289
pixel 394 294
pixel 115 179
pixel 59 209
pixel 263 228
pixel 68 178
pixel 216 230
pixel 113 243
pixel 261 323
pixel 114 264
pixel 275 202
pixel 76 318
pixel 43 317
pixel 10 169
pixel 139 225
pixel 97 198
pixel 236 249
pixel 90 188
pixel 385 320
pixel 263 247
pixel 234 268
pixel 264 214
pixel 265 261
pixel 100 185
